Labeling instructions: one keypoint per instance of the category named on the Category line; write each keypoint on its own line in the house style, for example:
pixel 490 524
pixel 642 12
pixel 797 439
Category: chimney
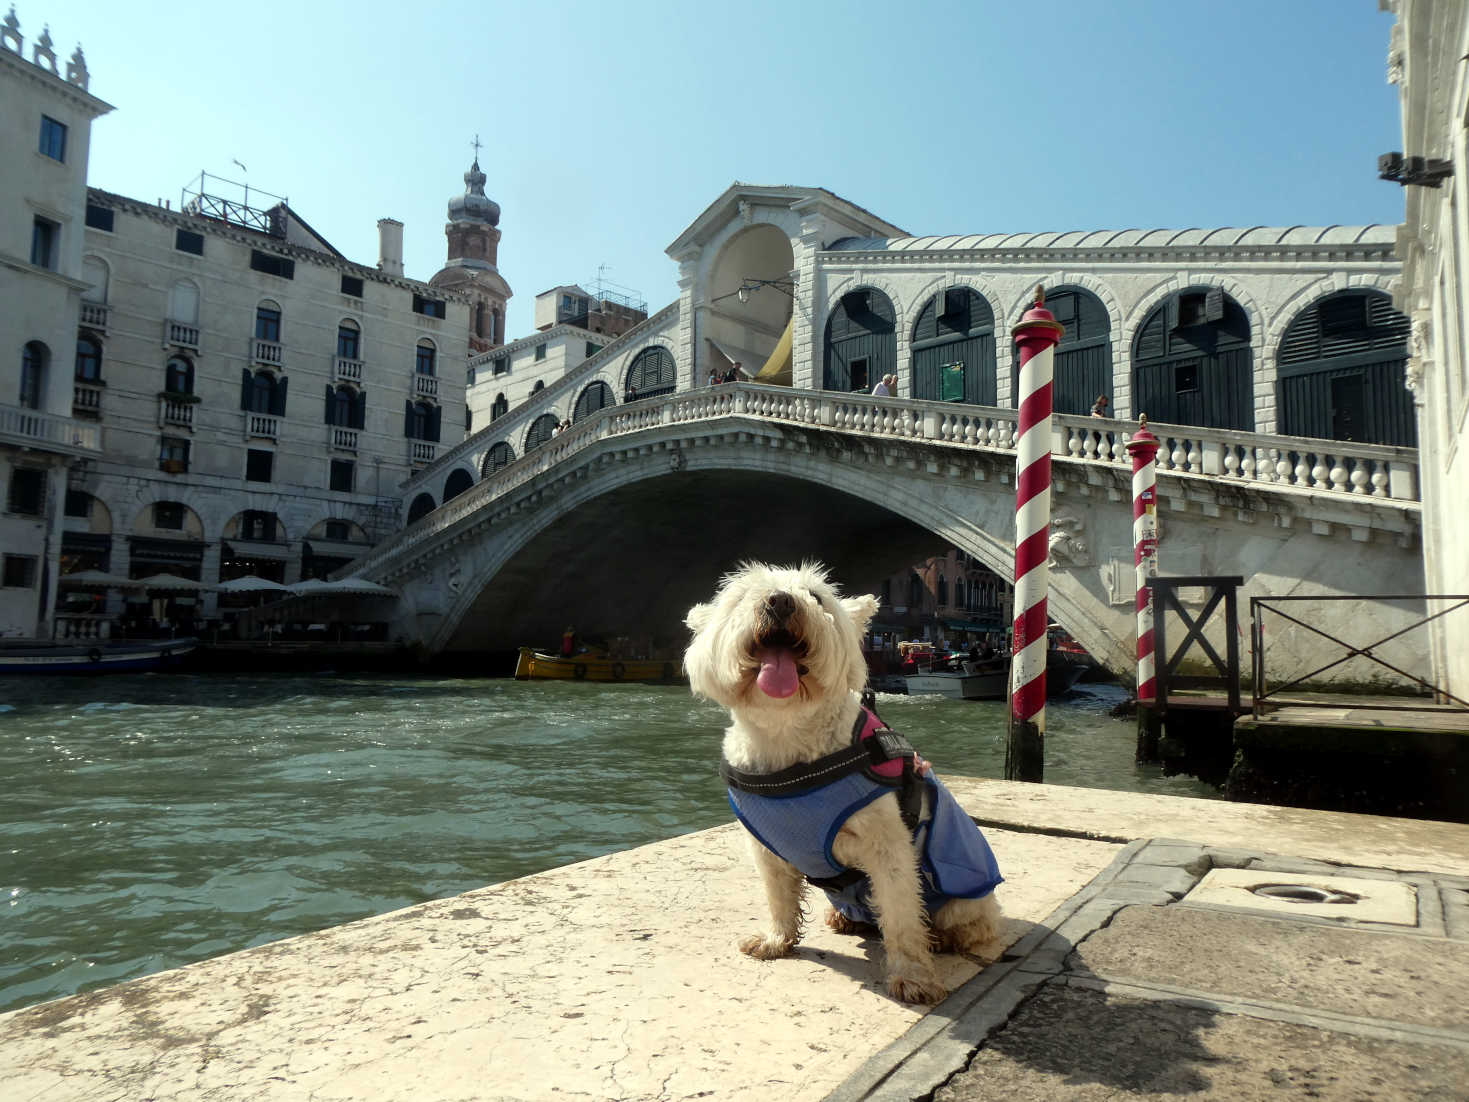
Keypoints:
pixel 390 246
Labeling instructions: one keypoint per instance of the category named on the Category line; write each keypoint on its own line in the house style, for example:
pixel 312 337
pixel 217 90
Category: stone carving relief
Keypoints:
pixel 1067 546
pixel 453 579
pixel 1420 358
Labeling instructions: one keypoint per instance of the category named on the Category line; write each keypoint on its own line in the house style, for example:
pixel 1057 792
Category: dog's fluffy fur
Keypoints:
pixel 750 613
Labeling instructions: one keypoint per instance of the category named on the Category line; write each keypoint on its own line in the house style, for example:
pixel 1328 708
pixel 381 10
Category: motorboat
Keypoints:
pixel 32 656
pixel 972 680
pixel 534 665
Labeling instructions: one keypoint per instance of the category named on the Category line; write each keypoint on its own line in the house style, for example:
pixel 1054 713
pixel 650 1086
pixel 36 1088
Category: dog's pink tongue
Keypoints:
pixel 778 675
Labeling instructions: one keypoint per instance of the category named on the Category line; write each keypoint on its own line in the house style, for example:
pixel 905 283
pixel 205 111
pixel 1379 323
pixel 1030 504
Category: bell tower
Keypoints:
pixel 474 245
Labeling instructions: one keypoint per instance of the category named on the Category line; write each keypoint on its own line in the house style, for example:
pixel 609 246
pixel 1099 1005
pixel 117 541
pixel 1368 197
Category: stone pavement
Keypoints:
pixel 1136 967
pixel 1148 984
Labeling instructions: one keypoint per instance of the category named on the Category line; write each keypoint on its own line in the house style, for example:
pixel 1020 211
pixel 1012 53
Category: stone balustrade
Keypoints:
pixel 86 399
pixel 31 427
pixel 347 371
pixel 425 386
pixel 342 439
pixel 94 316
pixel 179 334
pixel 268 353
pixel 1256 460
pixel 175 412
pixel 422 451
pixel 261 426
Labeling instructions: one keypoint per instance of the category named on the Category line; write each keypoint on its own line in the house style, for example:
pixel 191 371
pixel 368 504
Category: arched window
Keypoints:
pixel 540 431
pixel 349 340
pixel 954 348
pixel 458 481
pixel 540 385
pixel 262 392
pixel 500 455
pixel 422 505
pixel 943 591
pixel 479 318
pixel 183 304
pixel 1082 369
pixel 915 591
pixel 267 321
pixel 94 274
pixel 35 357
pixel 500 408
pixel 959 593
pixel 178 376
pixel 652 373
pixel 345 406
pixel 421 420
pixel 1192 364
pixel 861 341
pixel 1342 371
pixel 89 360
pixel 424 362
pixel 597 395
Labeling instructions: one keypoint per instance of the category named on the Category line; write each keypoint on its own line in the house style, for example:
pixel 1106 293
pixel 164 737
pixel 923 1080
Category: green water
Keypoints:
pixel 154 820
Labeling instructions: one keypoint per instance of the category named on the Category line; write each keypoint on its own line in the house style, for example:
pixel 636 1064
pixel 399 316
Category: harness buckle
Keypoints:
pixel 885 745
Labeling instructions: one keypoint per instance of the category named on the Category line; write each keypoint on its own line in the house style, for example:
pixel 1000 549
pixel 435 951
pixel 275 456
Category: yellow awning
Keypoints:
pixel 777 369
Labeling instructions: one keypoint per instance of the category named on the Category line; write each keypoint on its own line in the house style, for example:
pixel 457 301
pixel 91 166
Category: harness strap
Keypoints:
pixel 883 745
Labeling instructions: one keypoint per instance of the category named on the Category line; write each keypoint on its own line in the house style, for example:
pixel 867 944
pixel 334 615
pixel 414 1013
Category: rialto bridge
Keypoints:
pixel 618 524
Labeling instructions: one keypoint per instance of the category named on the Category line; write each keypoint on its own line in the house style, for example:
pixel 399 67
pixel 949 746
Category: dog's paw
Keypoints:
pixel 765 947
pixel 913 988
pixel 842 924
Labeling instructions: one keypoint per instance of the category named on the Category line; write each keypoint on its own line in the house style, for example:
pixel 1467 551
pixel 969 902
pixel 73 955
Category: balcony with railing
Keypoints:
pixel 425 386
pixel 86 400
pixel 180 334
pixel 177 411
pixel 94 316
pixel 48 432
pixel 262 426
pixel 266 353
pixel 341 439
pixel 421 452
pixel 347 371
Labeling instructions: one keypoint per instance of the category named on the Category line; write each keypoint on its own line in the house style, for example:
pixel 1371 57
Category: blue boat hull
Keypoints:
pixel 99 658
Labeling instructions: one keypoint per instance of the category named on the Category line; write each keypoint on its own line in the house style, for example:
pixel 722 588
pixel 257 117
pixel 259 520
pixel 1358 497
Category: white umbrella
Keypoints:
pixel 310 586
pixel 93 578
pixel 360 586
pixel 172 583
pixel 252 584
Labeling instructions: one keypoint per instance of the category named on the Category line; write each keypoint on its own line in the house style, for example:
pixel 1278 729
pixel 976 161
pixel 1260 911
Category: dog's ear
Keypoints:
pixel 698 617
pixel 860 609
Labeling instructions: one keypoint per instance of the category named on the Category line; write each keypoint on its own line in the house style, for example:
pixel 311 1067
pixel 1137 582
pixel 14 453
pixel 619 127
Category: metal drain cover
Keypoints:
pixel 1280 893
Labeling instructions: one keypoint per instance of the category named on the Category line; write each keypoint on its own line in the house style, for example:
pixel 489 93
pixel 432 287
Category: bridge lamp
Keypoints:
pixel 748 287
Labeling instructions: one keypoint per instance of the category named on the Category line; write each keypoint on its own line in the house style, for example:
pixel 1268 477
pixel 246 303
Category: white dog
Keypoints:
pixel 826 792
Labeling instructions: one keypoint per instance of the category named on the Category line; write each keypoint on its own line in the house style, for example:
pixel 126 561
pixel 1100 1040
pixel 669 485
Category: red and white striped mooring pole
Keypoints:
pixel 1143 447
pixel 1036 336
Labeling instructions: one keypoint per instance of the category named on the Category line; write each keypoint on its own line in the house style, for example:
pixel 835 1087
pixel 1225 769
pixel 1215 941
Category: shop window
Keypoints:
pixel 168 514
pixel 258 465
pixel 27 491
pixel 20 572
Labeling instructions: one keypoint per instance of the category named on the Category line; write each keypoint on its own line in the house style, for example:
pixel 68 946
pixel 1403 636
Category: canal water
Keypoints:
pixel 154 820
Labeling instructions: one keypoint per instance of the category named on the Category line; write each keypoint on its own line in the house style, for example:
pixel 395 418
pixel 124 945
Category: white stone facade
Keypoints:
pixel 185 289
pixel 1425 59
pixel 45 133
pixel 508 376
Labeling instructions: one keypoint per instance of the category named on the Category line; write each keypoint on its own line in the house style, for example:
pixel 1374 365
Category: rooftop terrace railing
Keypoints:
pixel 1254 460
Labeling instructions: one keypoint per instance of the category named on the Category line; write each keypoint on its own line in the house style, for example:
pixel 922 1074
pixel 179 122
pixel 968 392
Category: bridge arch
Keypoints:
pixel 953 355
pixel 651 373
pixel 422 505
pixel 749 298
pixel 501 454
pixel 596 395
pixel 1083 362
pixel 458 481
pixel 861 342
pixel 1192 360
pixel 1341 370
pixel 541 430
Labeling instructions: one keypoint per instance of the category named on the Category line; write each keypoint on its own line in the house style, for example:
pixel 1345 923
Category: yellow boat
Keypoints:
pixel 534 665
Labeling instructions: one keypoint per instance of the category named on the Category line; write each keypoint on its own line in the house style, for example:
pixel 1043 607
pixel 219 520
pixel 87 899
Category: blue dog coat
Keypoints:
pixel 797 812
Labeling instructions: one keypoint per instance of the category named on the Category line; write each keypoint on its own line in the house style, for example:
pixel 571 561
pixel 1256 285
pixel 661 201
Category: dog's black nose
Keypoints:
pixel 780 606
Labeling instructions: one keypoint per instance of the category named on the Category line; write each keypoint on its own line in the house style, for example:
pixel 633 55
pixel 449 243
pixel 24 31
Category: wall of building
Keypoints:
pixel 514 372
pixel 1429 42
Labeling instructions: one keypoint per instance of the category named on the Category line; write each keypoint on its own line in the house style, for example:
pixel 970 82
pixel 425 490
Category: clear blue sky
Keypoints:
pixel 609 126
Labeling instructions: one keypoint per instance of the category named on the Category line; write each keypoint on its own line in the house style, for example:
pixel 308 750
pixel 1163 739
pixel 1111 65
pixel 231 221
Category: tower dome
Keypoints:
pixel 474 205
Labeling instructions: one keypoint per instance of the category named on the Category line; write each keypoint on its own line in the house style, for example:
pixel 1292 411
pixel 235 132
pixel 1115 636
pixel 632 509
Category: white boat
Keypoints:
pixel 975 681
pixel 87 658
